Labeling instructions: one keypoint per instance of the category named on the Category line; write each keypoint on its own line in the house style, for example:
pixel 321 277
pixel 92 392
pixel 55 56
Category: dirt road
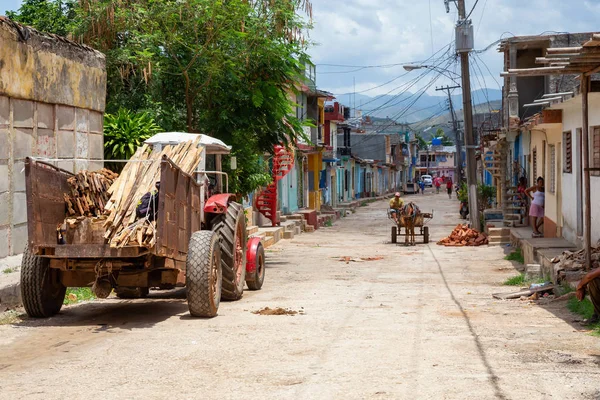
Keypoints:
pixel 419 323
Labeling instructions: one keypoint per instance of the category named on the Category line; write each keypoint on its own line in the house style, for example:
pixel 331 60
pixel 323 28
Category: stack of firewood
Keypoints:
pixel 89 193
pixel 138 178
pixel 462 235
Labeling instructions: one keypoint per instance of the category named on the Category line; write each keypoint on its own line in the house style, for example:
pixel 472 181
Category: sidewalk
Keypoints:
pixel 10 288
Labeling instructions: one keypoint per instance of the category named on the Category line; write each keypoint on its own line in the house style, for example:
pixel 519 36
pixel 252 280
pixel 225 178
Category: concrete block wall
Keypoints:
pixel 30 128
pixel 52 99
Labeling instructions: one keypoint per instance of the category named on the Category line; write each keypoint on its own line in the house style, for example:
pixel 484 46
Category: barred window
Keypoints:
pixel 552 168
pixel 568 152
pixel 595 149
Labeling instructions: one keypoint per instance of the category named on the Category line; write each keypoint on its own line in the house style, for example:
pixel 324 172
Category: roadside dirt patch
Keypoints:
pixel 275 311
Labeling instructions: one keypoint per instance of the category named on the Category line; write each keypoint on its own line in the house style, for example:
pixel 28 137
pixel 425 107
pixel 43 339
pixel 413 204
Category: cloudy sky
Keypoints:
pixel 384 32
pixel 360 33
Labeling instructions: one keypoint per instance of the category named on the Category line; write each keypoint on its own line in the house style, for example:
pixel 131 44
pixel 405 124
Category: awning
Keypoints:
pixel 213 146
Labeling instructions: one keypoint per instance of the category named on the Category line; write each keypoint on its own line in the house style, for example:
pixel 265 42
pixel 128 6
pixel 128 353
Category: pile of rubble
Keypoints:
pixel 570 265
pixel 462 235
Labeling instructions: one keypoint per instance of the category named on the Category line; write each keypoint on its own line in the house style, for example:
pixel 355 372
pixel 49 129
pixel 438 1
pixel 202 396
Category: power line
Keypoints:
pixel 472 9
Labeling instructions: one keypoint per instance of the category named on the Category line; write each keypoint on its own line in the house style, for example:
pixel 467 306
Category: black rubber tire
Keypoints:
pixel 425 234
pixel 203 276
pixel 41 290
pixel 228 226
pixel 132 292
pixel 394 234
pixel 259 273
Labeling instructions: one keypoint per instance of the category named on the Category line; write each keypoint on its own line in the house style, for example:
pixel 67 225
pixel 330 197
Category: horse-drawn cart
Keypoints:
pixel 420 221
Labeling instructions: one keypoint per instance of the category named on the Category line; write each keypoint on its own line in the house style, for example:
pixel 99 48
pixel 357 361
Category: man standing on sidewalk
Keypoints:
pixel 591 282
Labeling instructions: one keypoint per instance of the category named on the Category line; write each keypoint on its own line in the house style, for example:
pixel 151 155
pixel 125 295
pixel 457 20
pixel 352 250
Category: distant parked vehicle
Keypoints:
pixel 428 180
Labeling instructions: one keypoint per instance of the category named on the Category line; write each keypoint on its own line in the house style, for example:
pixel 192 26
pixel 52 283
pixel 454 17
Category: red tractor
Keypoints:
pixel 201 241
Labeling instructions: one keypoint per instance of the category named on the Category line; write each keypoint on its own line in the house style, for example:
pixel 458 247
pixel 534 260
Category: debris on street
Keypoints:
pixel 348 259
pixel 137 179
pixel 276 311
pixel 534 292
pixel 570 265
pixel 89 192
pixel 462 235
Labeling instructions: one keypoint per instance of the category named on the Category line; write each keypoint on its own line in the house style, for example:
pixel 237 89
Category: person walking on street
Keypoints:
pixel 449 187
pixel 437 185
pixel 422 186
pixel 536 211
pixel 591 284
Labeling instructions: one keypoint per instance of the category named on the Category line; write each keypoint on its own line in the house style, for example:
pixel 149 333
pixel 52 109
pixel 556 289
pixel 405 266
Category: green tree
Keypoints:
pixel 225 68
pixel 421 143
pixel 446 141
pixel 124 132
pixel 53 16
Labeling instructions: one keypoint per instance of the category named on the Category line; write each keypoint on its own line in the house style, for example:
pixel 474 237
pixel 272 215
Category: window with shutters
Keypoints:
pixel 534 168
pixel 595 149
pixel 552 168
pixel 567 152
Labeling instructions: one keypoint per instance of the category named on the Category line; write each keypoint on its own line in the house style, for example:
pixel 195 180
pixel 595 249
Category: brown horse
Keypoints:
pixel 408 213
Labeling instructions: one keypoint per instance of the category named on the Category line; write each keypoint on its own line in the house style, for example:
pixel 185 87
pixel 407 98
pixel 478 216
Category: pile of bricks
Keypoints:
pixel 462 235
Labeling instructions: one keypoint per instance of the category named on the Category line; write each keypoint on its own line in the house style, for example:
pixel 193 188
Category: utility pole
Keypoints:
pixel 464 44
pixel 458 159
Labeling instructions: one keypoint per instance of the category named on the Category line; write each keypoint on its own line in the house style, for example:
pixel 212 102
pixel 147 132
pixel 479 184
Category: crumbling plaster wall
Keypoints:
pixel 52 98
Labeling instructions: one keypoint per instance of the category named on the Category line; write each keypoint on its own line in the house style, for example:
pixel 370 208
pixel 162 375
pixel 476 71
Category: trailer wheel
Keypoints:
pixel 394 234
pixel 425 234
pixel 131 292
pixel 259 273
pixel 203 276
pixel 231 228
pixel 41 290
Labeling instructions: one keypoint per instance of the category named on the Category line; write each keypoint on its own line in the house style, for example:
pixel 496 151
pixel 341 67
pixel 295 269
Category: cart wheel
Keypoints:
pixel 425 234
pixel 394 234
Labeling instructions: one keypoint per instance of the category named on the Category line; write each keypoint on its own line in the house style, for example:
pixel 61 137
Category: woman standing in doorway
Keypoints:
pixel 536 211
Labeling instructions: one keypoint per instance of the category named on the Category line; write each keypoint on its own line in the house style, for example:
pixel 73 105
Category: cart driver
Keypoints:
pixel 396 205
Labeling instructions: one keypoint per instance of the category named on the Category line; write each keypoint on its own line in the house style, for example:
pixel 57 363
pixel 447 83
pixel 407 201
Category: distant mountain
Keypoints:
pixel 409 107
pixel 489 112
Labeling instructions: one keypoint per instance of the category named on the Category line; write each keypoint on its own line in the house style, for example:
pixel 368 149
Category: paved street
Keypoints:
pixel 418 323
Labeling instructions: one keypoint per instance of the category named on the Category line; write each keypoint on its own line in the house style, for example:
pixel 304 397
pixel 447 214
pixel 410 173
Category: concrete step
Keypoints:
pixel 251 230
pixel 261 235
pixel 512 217
pixel 289 234
pixel 298 217
pixel 499 232
pixel 275 232
pixel 268 242
pixel 309 228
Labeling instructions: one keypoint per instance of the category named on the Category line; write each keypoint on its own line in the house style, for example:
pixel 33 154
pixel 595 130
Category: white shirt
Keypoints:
pixel 538 198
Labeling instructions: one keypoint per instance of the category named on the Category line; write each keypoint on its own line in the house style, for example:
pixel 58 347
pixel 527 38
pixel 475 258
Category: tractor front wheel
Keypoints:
pixel 258 276
pixel 203 276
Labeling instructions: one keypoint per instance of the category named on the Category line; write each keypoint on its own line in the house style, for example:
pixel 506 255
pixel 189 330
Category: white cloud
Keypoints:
pixel 378 32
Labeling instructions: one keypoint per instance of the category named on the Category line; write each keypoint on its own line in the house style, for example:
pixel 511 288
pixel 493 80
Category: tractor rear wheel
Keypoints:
pixel 203 275
pixel 259 273
pixel 41 289
pixel 231 228
pixel 394 234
